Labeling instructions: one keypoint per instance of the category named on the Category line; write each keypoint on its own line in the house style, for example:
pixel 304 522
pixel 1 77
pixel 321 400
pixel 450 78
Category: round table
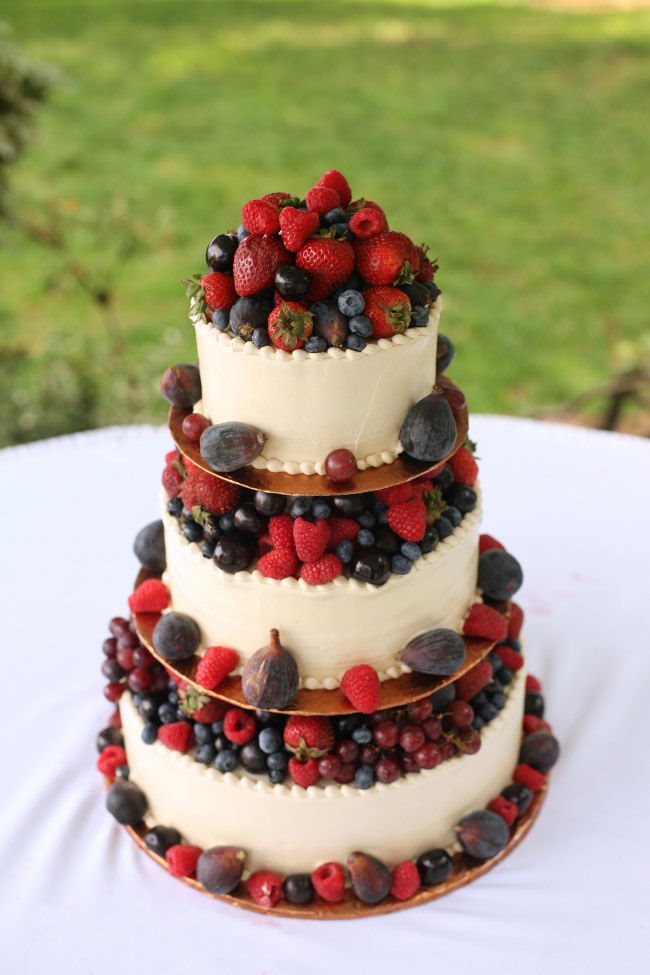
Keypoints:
pixel 78 896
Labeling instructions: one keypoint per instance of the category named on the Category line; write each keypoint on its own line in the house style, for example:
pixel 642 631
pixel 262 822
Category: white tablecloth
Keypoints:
pixel 76 896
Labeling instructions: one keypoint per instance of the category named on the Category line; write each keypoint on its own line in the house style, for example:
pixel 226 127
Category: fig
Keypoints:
pixel 330 323
pixel 250 313
pixel 219 869
pixel 126 803
pixel 370 878
pixel 540 750
pixel 176 636
pixel 270 677
pixel 229 446
pixel 428 432
pixel 181 385
pixel 149 547
pixel 438 652
pixel 445 353
pixel 483 834
pixel 499 574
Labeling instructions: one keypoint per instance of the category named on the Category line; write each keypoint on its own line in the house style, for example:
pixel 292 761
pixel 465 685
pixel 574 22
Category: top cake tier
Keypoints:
pixel 309 404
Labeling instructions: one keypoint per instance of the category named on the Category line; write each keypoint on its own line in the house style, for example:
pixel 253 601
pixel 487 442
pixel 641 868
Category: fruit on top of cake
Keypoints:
pixel 220 252
pixel 323 570
pixel 308 736
pixel 362 688
pixel 408 519
pixel 111 758
pixel 212 493
pixel 151 596
pixel 292 282
pixel 231 445
pixel 234 551
pixel 220 868
pixel 473 682
pixel 385 258
pixel 193 425
pixel 177 736
pixel 181 385
pixel 439 652
pixel 182 859
pixel 176 636
pixel 310 538
pixel 372 566
pixel 389 311
pixel 249 314
pixel 540 750
pixel 330 324
pixel 504 808
pixel 340 465
pixel 270 677
pixel 371 879
pixel 367 222
pixel 215 665
pixel 499 574
pixel 303 771
pixel 428 432
pixel 482 834
pixel 255 263
pixel 126 802
pixel 260 217
pixel 149 547
pixel 464 466
pixel 290 325
pixel 279 563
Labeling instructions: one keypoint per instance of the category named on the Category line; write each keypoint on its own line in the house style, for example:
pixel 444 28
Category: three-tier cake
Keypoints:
pixel 322 702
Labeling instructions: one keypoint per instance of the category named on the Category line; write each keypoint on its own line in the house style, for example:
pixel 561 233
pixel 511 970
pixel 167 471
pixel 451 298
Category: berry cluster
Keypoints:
pixel 363 536
pixel 129 664
pixel 314 273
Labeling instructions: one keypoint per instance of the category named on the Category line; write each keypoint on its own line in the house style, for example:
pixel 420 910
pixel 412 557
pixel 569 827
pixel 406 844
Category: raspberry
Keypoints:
pixel 510 658
pixel 504 808
pixel 396 494
pixel 110 759
pixel 474 681
pixel 239 726
pixel 115 720
pixel 178 736
pixel 530 777
pixel 342 529
pixel 310 538
pixel 533 723
pixel 265 888
pixel 297 226
pixel 362 687
pixel 279 563
pixel 182 859
pixel 260 217
pixel 281 531
pixel 483 621
pixel 151 596
pixel 172 481
pixel 368 221
pixel 515 621
pixel 464 467
pixel 408 520
pixel 486 541
pixel 215 664
pixel 309 737
pixel 304 774
pixel 329 882
pixel 209 492
pixel 322 198
pixel 338 182
pixel 533 685
pixel 324 570
pixel 406 880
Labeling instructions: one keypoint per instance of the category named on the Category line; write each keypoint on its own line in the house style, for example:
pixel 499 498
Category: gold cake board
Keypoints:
pixel 465 872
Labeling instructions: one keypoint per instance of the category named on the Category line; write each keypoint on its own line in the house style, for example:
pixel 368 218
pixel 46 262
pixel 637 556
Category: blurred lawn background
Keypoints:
pixel 513 139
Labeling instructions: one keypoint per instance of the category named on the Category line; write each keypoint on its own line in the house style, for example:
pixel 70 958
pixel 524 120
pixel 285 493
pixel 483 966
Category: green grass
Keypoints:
pixel 513 140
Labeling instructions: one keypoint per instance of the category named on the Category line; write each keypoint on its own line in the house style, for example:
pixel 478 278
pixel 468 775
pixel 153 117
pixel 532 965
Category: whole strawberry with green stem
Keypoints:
pixel 389 310
pixel 386 258
pixel 290 325
pixel 309 736
pixel 329 262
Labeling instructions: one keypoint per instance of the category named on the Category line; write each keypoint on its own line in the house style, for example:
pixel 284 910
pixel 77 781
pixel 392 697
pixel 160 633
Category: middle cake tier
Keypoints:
pixel 330 627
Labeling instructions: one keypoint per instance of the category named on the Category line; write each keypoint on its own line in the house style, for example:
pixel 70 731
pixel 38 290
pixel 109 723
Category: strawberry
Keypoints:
pixel 151 596
pixel 115 720
pixel 281 531
pixel 483 621
pixel 396 494
pixel 408 519
pixel 260 217
pixel 323 570
pixel 209 492
pixel 504 808
pixel 533 684
pixel 110 759
pixel 214 666
pixel 255 263
pixel 474 680
pixel 276 198
pixel 290 325
pixel 329 882
pixel 239 726
pixel 515 621
pixel 427 267
pixel 297 226
pixel 486 542
pixel 265 887
pixel 171 456
pixel 528 776
pixel 310 538
pixel 304 774
pixel 382 258
pixel 219 290
pixel 210 712
pixel 279 563
pixel 321 199
pixel 405 880
pixel 367 222
pixel 309 736
pixel 172 481
pixel 338 182
pixel 178 736
pixel 510 658
pixel 342 529
pixel 182 859
pixel 329 261
pixel 362 687
pixel 464 467
pixel 389 310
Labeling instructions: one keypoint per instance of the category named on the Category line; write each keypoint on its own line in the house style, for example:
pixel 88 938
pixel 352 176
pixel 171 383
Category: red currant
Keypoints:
pixel 340 465
pixel 139 680
pixel 329 766
pixel 412 737
pixel 347 750
pixel 419 711
pixel 432 728
pixel 193 426
pixel 461 714
pixel 387 770
pixel 386 734
pixel 428 756
pixel 113 691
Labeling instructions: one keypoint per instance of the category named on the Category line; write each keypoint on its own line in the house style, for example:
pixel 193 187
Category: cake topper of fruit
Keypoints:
pixel 313 273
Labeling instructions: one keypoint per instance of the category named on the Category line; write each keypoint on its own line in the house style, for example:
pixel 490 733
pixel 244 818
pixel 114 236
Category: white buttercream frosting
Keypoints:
pixel 289 829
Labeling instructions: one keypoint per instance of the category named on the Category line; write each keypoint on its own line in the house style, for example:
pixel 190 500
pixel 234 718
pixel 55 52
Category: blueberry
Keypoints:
pixel 126 803
pixel 241 233
pixel 278 761
pixel 297 887
pixel 419 316
pixel 192 531
pixel 445 478
pixel 366 538
pixel 260 337
pixel 269 504
pixel 498 701
pixel 160 838
pixel 345 551
pixel 109 736
pixel 479 699
pixel 226 760
pixel 434 866
pixel 534 704
pixel 149 733
pixel 252 757
pixel 316 344
pixel 351 303
pixel 444 527
pixel 174 507
pixel 367 520
pixel 341 230
pixel 203 733
pixel 355 343
pixel 453 515
pixel 495 660
pixel 205 754
pixel 173 696
pixel 337 215
pixel 350 505
pixel 400 565
pixel 387 540
pixel 321 508
pixel 300 507
pixel 488 712
pixel 276 776
pixel 505 676
pixel 477 722
pixel 269 740
pixel 362 735
pixel 361 325
pixel 166 713
pixel 207 548
pixel 364 777
pixel 149 547
pixel 220 319
pixel 217 727
pixel 227 522
pixel 463 497
pixel 411 550
pixel 429 541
